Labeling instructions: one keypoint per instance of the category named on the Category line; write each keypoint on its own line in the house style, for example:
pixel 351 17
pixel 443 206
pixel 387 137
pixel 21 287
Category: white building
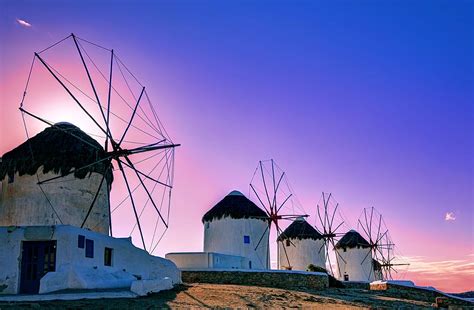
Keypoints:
pixel 304 246
pixel 235 237
pixel 43 259
pixel 354 259
pixel 208 260
pixel 65 200
pixel 37 255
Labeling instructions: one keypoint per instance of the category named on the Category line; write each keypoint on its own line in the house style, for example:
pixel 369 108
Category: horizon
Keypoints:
pixel 371 102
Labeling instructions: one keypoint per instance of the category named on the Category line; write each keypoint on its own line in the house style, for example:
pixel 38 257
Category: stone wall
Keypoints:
pixel 356 285
pixel 418 293
pixel 276 278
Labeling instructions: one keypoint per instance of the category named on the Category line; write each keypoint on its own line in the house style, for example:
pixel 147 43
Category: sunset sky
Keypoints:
pixel 372 101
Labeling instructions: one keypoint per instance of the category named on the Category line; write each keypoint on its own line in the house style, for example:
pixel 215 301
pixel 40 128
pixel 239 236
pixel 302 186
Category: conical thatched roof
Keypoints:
pixel 376 264
pixel 59 148
pixel 352 239
pixel 300 229
pixel 235 205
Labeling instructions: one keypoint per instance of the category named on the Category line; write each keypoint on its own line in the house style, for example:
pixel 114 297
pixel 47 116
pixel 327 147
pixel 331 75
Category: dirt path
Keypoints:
pixel 235 296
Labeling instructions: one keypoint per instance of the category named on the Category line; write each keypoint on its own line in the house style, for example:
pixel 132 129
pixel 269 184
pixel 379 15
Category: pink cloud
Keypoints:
pixel 455 275
pixel 449 216
pixel 23 23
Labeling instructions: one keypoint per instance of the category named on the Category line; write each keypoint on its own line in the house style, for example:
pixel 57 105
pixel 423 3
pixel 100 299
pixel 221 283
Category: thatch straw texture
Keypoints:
pixel 57 151
pixel 236 207
pixel 300 229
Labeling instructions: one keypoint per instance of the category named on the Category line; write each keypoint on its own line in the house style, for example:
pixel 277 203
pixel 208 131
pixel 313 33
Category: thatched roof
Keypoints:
pixel 376 264
pixel 352 239
pixel 235 205
pixel 300 229
pixel 59 148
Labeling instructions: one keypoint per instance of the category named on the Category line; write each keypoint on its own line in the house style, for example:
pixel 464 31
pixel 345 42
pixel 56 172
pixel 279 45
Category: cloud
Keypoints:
pixel 449 216
pixel 456 275
pixel 23 23
pixel 456 266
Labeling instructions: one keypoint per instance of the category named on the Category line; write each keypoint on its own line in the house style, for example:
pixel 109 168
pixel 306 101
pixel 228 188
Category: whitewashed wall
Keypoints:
pixel 73 269
pixel 22 203
pixel 10 252
pixel 302 253
pixel 207 260
pixel 226 236
pixel 353 265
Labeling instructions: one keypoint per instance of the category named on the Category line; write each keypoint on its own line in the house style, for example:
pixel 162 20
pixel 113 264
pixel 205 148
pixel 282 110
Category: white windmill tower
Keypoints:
pixel 234 226
pixel 354 258
pixel 50 155
pixel 301 243
pixel 370 256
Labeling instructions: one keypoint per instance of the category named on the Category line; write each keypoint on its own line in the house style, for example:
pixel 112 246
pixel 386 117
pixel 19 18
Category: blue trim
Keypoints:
pixel 89 248
pixel 80 241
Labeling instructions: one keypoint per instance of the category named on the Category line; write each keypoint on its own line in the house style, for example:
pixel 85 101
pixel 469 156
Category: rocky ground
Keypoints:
pixel 243 297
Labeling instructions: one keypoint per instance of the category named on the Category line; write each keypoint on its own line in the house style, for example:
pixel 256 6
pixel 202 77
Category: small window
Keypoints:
pixel 10 179
pixel 346 277
pixel 80 241
pixel 89 248
pixel 108 256
pixel 246 239
pixel 288 242
pixel 345 250
pixel 250 264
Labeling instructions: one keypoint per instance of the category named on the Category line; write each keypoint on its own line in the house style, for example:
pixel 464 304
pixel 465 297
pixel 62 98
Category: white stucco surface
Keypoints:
pixel 22 203
pixel 354 264
pixel 207 260
pixel 68 296
pixel 226 236
pixel 73 269
pixel 301 253
pixel 145 287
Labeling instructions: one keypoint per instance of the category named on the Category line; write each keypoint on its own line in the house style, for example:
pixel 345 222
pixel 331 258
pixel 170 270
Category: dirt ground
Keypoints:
pixel 235 296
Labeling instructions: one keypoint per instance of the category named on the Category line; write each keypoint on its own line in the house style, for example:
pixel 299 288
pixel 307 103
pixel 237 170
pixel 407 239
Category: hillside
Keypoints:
pixel 236 296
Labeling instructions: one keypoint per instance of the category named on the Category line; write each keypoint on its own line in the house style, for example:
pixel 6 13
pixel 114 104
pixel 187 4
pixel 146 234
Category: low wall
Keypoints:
pixel 207 260
pixel 275 278
pixel 356 285
pixel 418 293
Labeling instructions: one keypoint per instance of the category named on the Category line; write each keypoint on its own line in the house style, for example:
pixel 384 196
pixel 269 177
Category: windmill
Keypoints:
pixel 270 187
pixel 392 261
pixel 372 225
pixel 328 224
pixel 81 82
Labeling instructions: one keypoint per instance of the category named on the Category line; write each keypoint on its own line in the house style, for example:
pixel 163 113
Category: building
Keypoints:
pixel 43 247
pixel 354 258
pixel 235 237
pixel 43 259
pixel 299 246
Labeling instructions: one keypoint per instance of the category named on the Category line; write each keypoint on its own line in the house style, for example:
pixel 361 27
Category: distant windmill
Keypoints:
pixel 271 189
pixel 372 225
pixel 328 224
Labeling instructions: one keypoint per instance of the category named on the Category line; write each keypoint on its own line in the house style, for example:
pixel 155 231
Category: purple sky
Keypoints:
pixel 370 101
